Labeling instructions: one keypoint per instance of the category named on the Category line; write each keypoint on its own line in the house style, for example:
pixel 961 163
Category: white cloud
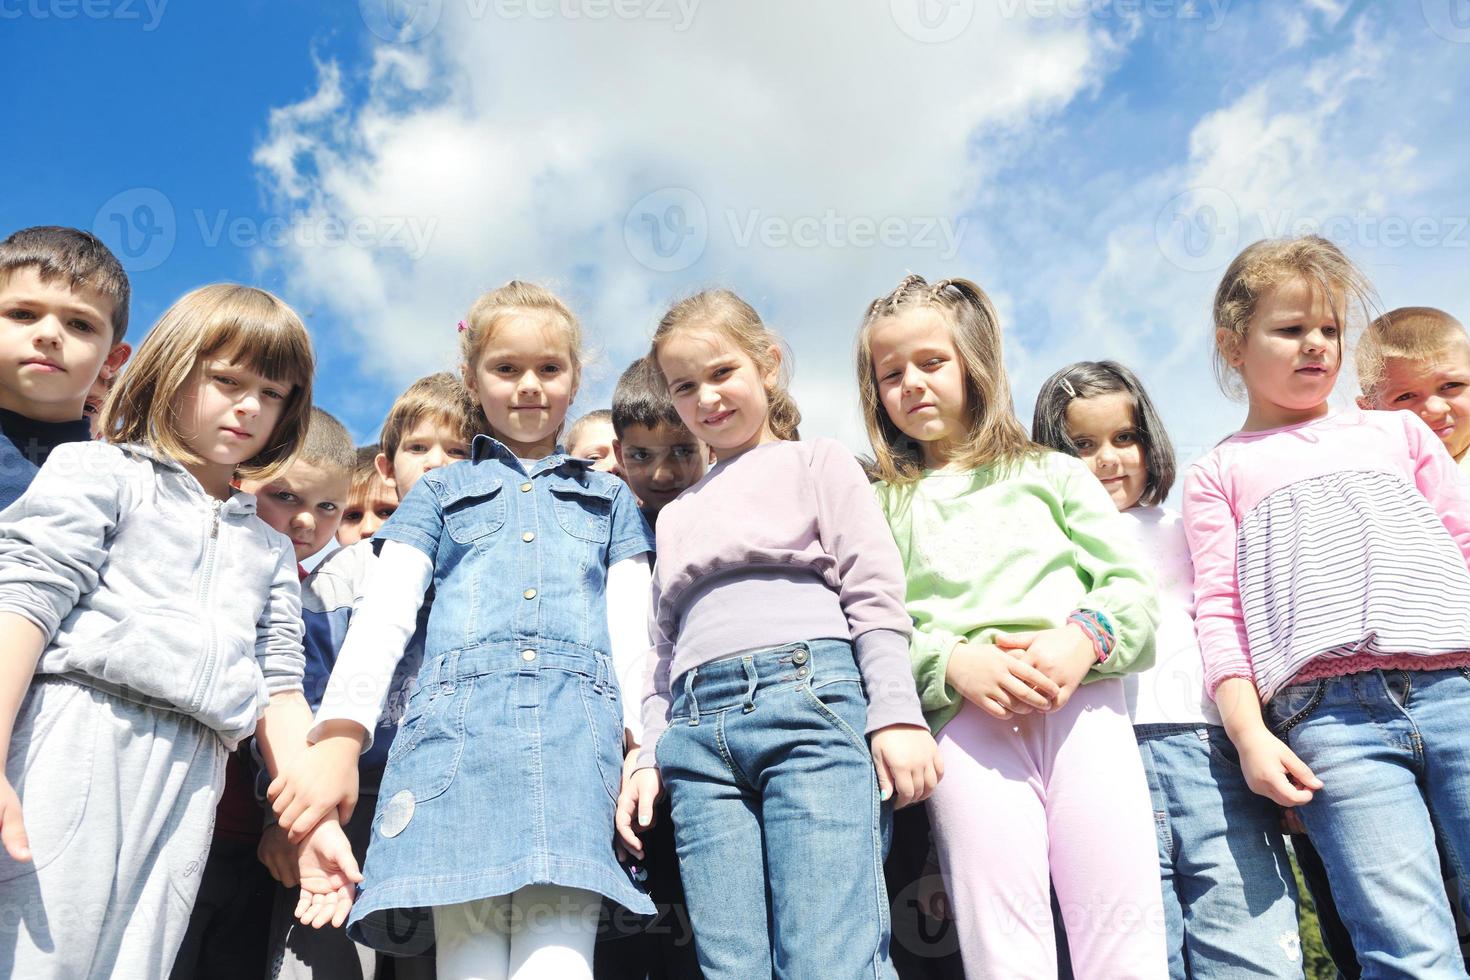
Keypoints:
pixel 800 128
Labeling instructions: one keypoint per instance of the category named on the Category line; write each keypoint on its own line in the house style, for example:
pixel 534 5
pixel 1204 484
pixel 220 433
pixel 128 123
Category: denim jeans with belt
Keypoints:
pixel 1392 748
pixel 780 831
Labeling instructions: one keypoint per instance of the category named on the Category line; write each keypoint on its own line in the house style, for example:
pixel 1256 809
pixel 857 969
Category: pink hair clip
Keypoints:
pixel 461 326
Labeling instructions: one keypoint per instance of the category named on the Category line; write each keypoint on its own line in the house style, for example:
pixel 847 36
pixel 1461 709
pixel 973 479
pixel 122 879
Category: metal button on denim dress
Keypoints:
pixel 507 766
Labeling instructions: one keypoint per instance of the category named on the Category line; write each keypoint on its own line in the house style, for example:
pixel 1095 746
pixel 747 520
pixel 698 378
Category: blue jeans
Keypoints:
pixel 1392 749
pixel 780 832
pixel 1229 895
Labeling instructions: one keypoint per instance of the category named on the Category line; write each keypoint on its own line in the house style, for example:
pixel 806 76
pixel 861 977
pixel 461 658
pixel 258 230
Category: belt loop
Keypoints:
pixel 749 664
pixel 599 683
pixel 689 694
pixel 450 668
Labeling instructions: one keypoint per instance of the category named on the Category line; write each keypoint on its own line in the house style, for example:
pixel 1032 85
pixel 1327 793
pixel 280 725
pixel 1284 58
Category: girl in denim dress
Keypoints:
pixel 495 817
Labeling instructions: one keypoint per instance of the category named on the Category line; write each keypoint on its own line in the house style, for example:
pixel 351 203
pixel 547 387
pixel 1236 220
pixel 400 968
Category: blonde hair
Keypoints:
pixel 722 311
pixel 523 298
pixel 995 434
pixel 1269 263
pixel 246 326
pixel 441 397
pixel 1410 333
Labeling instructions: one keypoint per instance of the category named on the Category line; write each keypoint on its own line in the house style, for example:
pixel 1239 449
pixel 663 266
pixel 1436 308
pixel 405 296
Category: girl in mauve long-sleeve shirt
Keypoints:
pixel 780 643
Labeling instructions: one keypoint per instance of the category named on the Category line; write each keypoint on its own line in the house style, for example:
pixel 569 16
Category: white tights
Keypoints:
pixel 541 932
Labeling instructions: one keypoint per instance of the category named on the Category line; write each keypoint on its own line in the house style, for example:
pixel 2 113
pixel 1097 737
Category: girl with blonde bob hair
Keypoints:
pixel 1028 603
pixel 151 621
pixel 239 325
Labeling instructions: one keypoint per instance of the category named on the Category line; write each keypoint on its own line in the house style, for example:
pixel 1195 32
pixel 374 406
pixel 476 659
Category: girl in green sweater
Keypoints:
pixel 1028 604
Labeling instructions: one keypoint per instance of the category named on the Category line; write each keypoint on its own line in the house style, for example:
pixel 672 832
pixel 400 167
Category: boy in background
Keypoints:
pixel 1417 359
pixel 430 425
pixel 591 437
pixel 63 313
pixel 658 458
pixel 371 501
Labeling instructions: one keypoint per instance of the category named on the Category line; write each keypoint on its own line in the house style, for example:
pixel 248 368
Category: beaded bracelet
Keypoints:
pixel 1098 629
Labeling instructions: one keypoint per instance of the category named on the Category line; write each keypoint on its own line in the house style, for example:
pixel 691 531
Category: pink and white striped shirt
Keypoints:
pixel 1329 547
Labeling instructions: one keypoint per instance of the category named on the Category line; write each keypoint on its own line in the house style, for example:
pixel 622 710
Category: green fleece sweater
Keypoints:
pixel 1008 549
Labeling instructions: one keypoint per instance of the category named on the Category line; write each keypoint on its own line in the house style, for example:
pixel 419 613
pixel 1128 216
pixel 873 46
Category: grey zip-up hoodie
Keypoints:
pixel 150 589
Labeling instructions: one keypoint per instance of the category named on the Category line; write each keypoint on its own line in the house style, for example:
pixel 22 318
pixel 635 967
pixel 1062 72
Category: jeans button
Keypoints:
pixel 802 672
pixel 799 657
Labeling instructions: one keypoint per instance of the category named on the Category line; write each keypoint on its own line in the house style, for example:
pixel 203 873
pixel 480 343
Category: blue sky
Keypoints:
pixel 1094 165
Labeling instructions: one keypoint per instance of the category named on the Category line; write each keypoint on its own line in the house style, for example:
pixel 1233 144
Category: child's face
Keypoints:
pixel 54 341
pixel 524 379
pixel 427 445
pixel 305 503
pixel 718 391
pixel 226 415
pixel 920 380
pixel 1104 431
pixel 92 408
pixel 1290 354
pixel 659 463
pixel 366 511
pixel 595 441
pixel 1436 388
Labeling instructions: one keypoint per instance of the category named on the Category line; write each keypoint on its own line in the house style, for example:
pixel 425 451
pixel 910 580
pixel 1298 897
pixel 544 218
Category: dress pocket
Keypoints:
pixel 473 507
pixel 433 731
pixel 584 512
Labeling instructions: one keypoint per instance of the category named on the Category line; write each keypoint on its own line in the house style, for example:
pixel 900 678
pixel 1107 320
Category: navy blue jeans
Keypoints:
pixel 780 832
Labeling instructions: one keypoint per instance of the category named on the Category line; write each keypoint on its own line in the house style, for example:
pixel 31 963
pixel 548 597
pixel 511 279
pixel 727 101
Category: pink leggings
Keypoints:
pixel 1060 796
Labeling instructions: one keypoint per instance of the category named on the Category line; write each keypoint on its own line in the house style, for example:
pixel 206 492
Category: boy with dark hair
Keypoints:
pixel 63 313
pixel 659 458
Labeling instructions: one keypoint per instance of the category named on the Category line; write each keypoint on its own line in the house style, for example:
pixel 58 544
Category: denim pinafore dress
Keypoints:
pixel 506 769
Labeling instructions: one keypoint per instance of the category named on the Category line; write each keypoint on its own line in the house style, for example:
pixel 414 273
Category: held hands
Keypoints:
pixel 320 781
pixel 1272 770
pixel 329 876
pixel 12 829
pixel 999 682
pixel 1064 655
pixel 908 763
pixel 641 790
pixel 278 855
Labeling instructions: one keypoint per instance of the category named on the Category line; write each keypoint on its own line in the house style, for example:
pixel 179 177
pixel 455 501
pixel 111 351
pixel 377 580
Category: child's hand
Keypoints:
pixel 1272 770
pixel 321 780
pixel 640 792
pixel 1064 655
pixel 329 876
pixel 908 763
pixel 997 682
pixel 278 855
pixel 12 828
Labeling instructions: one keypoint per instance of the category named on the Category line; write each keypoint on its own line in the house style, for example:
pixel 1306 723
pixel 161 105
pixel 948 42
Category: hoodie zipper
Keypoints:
pixel 206 582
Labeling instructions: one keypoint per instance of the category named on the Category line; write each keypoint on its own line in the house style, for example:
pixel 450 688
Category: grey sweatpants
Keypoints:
pixel 119 804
